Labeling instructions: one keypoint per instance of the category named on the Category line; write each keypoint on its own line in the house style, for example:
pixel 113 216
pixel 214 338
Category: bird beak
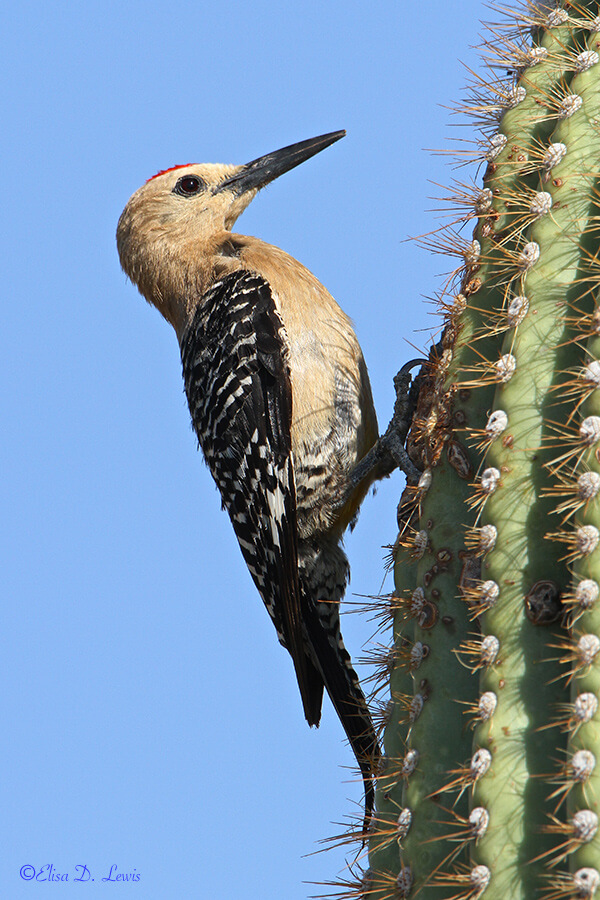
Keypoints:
pixel 261 171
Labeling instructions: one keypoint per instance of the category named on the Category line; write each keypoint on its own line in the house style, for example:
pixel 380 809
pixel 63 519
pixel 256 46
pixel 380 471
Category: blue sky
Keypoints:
pixel 151 720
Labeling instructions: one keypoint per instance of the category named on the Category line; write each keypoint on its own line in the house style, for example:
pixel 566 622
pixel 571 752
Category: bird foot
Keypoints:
pixel 390 452
pixel 393 441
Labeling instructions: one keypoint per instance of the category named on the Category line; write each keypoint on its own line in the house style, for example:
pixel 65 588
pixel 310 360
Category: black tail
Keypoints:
pixel 343 687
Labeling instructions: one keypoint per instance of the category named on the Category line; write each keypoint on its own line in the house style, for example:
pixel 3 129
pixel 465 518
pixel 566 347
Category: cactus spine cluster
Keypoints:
pixel 490 784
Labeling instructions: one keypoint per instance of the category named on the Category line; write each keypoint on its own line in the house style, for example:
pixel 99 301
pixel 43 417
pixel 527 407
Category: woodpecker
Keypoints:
pixel 280 401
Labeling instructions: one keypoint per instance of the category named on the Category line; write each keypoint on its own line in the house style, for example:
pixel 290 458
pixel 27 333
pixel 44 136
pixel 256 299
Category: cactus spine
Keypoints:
pixel 489 785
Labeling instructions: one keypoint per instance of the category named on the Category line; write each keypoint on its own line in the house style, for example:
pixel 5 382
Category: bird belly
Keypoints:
pixel 329 437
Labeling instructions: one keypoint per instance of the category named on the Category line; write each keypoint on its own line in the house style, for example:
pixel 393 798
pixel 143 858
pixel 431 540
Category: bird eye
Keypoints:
pixel 189 185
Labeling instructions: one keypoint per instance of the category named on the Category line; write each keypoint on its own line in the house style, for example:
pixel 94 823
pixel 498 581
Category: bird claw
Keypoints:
pixel 393 446
pixel 390 452
pixel 394 440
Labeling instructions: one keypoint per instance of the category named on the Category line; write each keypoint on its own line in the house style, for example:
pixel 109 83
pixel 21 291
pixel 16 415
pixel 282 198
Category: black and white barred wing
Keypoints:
pixel 237 383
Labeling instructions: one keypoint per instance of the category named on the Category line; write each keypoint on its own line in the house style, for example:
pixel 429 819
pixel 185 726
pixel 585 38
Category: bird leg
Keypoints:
pixel 389 452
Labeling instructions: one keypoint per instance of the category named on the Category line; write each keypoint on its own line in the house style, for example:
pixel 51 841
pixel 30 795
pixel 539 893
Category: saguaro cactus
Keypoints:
pixel 490 782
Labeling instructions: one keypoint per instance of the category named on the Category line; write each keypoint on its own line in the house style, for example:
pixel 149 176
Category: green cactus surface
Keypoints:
pixel 489 786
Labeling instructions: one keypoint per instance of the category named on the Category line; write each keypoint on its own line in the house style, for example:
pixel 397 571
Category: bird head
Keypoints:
pixel 170 224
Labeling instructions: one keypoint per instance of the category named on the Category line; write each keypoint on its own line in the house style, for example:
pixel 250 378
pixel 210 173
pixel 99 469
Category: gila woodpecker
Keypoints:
pixel 280 401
